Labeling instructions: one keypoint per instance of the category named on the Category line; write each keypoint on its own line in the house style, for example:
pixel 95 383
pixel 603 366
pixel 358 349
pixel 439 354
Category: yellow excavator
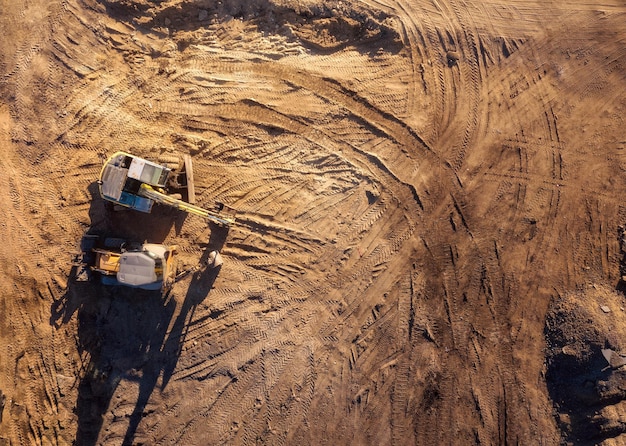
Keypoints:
pixel 137 183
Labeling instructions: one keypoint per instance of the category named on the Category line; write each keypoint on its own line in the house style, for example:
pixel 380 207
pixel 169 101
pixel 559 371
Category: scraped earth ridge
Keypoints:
pixel 424 191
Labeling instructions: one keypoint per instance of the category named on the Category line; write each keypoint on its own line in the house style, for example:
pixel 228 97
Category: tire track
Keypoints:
pixel 423 47
pixel 308 324
pixel 400 392
pixel 474 81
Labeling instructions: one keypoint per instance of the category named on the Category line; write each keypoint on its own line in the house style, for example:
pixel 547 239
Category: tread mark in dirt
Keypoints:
pixel 475 83
pixel 401 385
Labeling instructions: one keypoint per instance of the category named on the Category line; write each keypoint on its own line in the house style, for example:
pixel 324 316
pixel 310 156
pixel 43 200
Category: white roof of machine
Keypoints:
pixel 145 171
pixel 136 268
pixel 135 168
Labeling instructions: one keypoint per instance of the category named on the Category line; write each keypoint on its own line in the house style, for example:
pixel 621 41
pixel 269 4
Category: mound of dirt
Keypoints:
pixel 320 25
pixel 589 395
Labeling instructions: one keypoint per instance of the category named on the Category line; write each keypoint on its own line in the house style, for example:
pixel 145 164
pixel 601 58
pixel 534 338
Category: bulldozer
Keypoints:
pixel 148 266
pixel 136 183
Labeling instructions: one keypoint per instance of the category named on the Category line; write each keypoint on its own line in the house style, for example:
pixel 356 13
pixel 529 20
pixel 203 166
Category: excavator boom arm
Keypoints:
pixel 148 191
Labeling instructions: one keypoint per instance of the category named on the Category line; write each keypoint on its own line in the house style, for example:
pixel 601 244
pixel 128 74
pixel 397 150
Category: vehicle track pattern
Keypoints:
pixel 369 294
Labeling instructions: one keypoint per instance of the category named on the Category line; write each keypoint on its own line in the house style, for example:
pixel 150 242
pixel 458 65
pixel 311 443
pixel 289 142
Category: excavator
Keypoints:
pixel 136 183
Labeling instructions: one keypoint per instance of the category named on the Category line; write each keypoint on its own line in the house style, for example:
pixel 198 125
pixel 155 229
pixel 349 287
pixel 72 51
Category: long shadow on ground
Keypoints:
pixel 166 351
pixel 125 332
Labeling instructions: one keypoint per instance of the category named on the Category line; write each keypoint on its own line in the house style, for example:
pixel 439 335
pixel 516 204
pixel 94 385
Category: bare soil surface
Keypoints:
pixel 428 196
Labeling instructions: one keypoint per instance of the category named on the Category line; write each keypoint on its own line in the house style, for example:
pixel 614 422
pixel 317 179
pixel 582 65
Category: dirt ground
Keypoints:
pixel 428 196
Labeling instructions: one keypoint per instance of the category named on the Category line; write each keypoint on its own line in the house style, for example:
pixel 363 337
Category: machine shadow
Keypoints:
pixel 163 363
pixel 124 333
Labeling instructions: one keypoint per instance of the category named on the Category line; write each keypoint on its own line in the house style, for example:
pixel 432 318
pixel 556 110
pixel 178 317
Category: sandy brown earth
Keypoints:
pixel 428 196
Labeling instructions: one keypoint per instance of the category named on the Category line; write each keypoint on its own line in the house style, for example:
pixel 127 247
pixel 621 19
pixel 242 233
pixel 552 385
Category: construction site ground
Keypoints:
pixel 428 196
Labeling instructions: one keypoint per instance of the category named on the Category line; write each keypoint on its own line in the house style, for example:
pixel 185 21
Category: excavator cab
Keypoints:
pixel 122 176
